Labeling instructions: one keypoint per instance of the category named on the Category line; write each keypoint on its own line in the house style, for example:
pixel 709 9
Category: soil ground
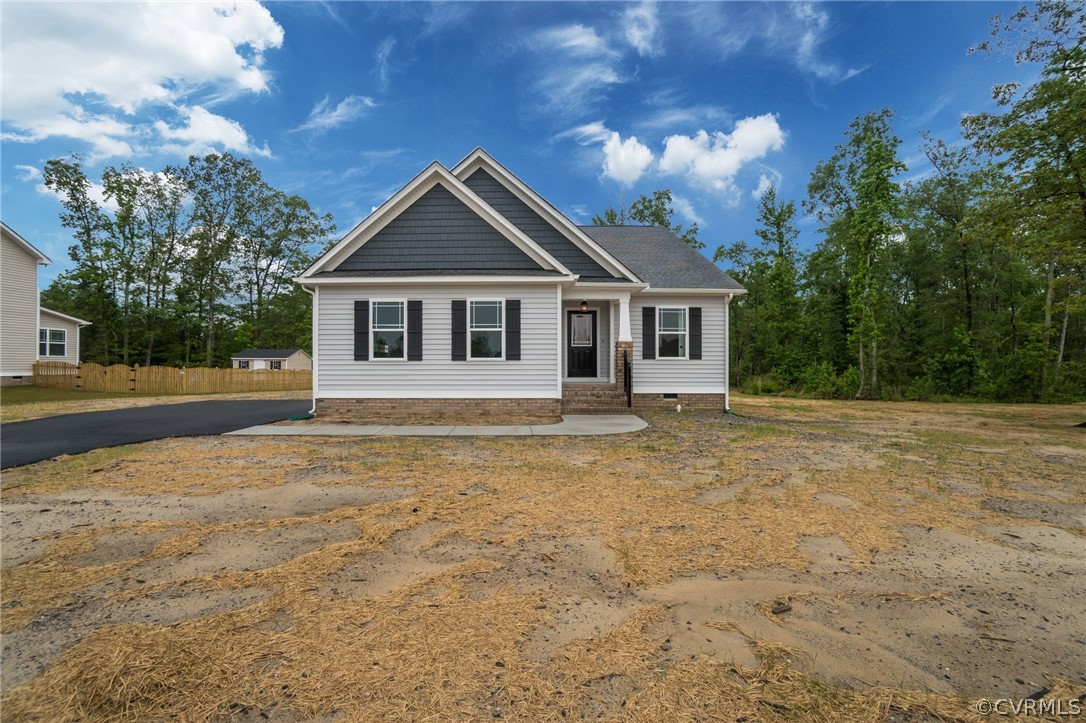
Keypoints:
pixel 807 560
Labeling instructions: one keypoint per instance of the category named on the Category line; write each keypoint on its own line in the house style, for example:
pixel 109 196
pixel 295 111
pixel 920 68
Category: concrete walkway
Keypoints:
pixel 571 424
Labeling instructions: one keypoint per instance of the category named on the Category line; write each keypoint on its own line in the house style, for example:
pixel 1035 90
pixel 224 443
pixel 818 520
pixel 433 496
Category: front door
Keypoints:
pixel 581 343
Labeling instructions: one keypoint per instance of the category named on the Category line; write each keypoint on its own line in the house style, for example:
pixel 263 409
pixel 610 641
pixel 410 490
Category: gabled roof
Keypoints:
pixel 24 244
pixel 432 176
pixel 266 353
pixel 661 258
pixel 480 159
pixel 74 320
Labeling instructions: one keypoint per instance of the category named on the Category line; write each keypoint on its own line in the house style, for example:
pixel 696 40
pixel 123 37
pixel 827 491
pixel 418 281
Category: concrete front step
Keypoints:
pixel 597 410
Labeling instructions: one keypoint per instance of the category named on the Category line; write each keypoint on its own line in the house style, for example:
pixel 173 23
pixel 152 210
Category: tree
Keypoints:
pixel 652 210
pixel 854 196
pixel 767 320
pixel 1039 143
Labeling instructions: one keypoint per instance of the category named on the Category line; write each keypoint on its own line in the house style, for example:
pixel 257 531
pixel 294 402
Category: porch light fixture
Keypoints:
pixel 584 306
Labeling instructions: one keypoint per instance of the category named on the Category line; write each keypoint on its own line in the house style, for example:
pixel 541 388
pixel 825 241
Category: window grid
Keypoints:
pixel 388 330
pixel 672 335
pixel 486 327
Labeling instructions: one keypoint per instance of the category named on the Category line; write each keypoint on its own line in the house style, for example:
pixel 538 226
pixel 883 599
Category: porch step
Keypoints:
pixel 594 399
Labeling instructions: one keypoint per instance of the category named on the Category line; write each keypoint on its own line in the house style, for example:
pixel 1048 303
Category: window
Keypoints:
pixel 52 342
pixel 275 365
pixel 388 330
pixel 671 334
pixel 486 329
pixel 243 364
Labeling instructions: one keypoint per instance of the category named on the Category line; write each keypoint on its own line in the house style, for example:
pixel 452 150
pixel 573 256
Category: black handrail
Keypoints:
pixel 627 378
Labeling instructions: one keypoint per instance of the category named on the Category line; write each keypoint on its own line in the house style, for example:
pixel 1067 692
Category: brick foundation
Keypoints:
pixel 691 402
pixel 440 411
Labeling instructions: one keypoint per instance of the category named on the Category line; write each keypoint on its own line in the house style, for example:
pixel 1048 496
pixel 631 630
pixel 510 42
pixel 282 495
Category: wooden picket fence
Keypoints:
pixel 166 380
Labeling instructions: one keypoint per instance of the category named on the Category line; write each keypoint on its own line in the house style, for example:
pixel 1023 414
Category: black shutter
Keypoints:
pixel 695 332
pixel 648 332
pixel 361 330
pixel 414 330
pixel 512 329
pixel 459 330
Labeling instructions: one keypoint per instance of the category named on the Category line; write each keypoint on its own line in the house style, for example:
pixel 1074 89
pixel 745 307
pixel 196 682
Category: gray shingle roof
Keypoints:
pixel 660 258
pixel 265 353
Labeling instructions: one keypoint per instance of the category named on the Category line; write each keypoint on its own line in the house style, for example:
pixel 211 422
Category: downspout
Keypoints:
pixel 727 356
pixel 316 366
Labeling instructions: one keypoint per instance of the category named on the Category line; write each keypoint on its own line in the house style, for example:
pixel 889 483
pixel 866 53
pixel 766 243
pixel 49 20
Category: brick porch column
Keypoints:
pixel 622 347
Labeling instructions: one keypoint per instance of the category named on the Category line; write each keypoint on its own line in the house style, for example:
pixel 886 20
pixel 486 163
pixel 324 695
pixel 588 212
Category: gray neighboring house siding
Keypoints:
pixel 50 320
pixel 18 307
pixel 434 234
pixel 534 376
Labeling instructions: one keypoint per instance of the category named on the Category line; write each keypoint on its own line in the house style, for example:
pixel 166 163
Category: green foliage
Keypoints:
pixel 654 210
pixel 194 264
pixel 959 372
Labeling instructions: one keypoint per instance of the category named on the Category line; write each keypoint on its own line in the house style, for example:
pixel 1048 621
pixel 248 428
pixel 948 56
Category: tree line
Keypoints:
pixel 185 266
pixel 966 284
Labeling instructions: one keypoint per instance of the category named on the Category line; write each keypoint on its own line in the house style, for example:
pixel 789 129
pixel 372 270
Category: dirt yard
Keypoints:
pixel 809 560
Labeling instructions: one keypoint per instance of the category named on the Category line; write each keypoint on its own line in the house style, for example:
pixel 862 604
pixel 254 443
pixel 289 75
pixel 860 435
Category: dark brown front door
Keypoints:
pixel 581 343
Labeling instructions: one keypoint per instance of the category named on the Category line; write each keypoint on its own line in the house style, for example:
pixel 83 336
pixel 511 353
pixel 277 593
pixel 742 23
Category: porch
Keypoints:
pixel 597 352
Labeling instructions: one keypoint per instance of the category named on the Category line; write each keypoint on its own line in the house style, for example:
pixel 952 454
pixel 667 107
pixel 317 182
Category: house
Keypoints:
pixel 274 359
pixel 28 331
pixel 467 295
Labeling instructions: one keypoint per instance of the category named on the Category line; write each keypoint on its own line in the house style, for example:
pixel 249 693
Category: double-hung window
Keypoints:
pixel 275 366
pixel 388 329
pixel 52 342
pixel 671 334
pixel 243 364
pixel 486 328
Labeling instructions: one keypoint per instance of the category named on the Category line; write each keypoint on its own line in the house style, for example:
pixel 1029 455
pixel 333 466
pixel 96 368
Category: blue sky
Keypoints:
pixel 589 103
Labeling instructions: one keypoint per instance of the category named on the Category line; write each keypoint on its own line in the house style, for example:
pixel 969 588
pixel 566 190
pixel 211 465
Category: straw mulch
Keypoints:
pixel 450 645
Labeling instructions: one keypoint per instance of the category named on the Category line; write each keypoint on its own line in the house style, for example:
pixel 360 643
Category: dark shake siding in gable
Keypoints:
pixel 436 234
pixel 534 226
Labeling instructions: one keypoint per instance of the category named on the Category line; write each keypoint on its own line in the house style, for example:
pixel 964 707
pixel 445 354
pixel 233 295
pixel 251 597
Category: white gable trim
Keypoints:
pixel 25 245
pixel 481 159
pixel 431 176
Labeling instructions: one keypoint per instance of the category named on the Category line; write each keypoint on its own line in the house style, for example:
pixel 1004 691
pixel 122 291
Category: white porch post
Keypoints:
pixel 624 333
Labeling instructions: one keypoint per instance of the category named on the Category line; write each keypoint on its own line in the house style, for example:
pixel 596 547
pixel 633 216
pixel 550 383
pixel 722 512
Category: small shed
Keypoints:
pixel 275 359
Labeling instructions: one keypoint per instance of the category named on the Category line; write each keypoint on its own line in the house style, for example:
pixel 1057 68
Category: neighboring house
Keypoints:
pixel 271 359
pixel 468 293
pixel 27 331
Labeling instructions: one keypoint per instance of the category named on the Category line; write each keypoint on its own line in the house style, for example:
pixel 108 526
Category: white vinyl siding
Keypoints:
pixel 687 376
pixel 534 376
pixel 18 309
pixel 71 336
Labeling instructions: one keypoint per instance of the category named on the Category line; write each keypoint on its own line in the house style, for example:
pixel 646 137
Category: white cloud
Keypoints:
pixel 82 71
pixel 594 132
pixel 204 132
pixel 325 117
pixel 685 209
pixel 29 173
pixel 640 26
pixel 764 184
pixel 579 65
pixel 715 160
pixel 625 160
pixel 813 25
pixel 382 69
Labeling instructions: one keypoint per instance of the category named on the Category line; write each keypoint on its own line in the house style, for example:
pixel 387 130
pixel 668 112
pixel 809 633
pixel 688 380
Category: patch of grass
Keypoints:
pixel 946 437
pixel 13 396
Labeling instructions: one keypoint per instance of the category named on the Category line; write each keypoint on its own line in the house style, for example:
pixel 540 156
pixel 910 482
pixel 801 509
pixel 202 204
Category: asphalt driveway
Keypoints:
pixel 37 439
